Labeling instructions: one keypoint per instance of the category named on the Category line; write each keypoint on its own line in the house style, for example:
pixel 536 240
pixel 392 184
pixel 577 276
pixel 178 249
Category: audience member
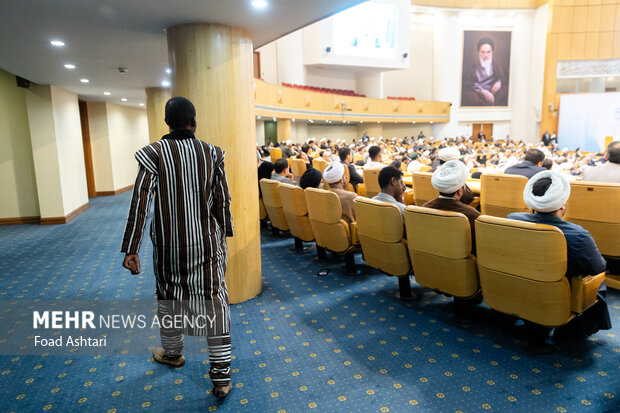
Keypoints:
pixel 265 170
pixel 281 172
pixel 312 178
pixel 610 170
pixel 546 194
pixel 531 165
pixel 392 187
pixel 374 158
pixel 345 157
pixel 334 176
pixel 449 179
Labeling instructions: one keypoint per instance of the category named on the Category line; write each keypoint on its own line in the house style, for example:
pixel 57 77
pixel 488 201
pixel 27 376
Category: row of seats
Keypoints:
pixel 344 92
pixel 437 251
pixel 400 98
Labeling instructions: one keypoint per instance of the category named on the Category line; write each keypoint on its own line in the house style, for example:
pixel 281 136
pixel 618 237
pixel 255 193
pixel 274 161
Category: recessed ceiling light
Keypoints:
pixel 140 104
pixel 123 99
pixel 168 70
pixel 107 93
pixel 293 119
pixel 57 43
pixel 84 80
pixel 69 66
pixel 165 83
pixel 259 4
pixel 258 117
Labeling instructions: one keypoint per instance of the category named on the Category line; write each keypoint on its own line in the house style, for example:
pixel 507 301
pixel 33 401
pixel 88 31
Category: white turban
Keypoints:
pixel 449 154
pixel 554 198
pixel 450 177
pixel 288 142
pixel 333 173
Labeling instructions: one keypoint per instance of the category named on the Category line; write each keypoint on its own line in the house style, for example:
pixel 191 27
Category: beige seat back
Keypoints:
pixel 298 167
pixel 596 207
pixel 423 190
pixel 380 230
pixel 294 205
pixel 522 267
pixel 261 209
pixel 273 204
pixel 440 250
pixel 320 164
pixel 502 194
pixel 275 154
pixel 325 212
pixel 371 182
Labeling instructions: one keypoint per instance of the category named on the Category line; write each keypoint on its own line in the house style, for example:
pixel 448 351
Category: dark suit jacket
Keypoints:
pixel 453 205
pixel 354 177
pixel 525 168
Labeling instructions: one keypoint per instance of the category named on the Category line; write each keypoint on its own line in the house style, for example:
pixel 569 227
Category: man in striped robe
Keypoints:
pixel 189 229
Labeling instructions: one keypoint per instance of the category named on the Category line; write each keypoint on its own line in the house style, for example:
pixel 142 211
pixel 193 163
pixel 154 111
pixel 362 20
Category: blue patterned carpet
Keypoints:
pixel 306 343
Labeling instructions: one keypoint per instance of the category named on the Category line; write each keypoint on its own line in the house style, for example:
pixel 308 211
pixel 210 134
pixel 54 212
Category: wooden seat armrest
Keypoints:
pixel 355 238
pixel 584 291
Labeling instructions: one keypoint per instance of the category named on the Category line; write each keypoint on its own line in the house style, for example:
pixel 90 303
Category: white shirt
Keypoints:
pixel 374 165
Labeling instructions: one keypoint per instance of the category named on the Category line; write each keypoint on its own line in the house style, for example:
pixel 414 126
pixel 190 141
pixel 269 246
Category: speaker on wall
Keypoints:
pixel 21 82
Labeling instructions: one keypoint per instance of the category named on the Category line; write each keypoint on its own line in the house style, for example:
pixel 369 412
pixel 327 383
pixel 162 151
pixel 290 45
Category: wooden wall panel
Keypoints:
pixel 608 16
pixel 591 46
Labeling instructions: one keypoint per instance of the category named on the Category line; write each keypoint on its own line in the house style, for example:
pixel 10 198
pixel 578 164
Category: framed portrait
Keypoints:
pixel 486 68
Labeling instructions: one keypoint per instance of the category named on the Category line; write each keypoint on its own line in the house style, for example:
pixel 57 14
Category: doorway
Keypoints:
pixel 271 132
pixel 485 128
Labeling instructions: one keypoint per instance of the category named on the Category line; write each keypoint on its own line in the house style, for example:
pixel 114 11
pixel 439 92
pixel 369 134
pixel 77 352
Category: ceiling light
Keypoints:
pixel 274 118
pixel 69 66
pixel 258 117
pixel 413 122
pixel 57 43
pixel 107 93
pixel 293 119
pixel 168 70
pixel 123 99
pixel 165 83
pixel 84 80
pixel 259 4
pixel 140 104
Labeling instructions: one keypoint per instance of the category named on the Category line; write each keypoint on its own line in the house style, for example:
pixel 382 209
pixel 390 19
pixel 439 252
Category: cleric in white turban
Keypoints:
pixel 450 153
pixel 333 173
pixel 334 176
pixel 547 193
pixel 450 177
pixel 547 198
pixel 450 181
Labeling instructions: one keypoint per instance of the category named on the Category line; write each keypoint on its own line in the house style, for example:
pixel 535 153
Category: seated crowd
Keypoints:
pixel 452 162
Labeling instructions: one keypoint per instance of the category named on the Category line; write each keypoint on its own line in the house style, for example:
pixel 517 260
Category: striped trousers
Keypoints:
pixel 219 346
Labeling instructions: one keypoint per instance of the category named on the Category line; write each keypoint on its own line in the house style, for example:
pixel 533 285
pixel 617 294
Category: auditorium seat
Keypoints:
pixel 298 167
pixel 320 164
pixel 294 205
pixel 261 209
pixel 423 190
pixel 380 230
pixel 440 250
pixel 502 194
pixel 275 154
pixel 273 205
pixel 596 207
pixel 371 182
pixel 347 180
pixel 409 197
pixel 522 268
pixel 330 230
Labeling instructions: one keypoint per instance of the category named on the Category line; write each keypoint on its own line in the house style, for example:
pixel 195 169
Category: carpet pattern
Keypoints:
pixel 305 344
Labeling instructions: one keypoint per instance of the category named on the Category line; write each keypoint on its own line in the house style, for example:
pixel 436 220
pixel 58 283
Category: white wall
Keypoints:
pixel 269 63
pixel 70 149
pixel 447 62
pixel 128 127
pixel 290 63
pixel 17 177
pixel 400 130
pixel 100 146
pixel 370 84
pixel 330 78
pixel 260 132
pixel 58 155
pixel 333 132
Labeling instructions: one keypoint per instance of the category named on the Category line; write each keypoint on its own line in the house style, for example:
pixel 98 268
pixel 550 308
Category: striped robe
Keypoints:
pixel 189 229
